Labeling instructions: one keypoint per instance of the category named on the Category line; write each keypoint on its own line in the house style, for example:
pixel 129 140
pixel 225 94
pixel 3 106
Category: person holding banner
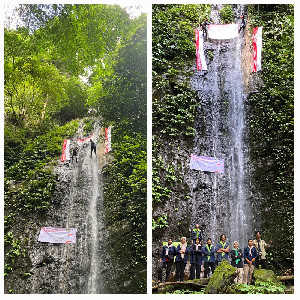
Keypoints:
pixel 222 249
pixel 93 147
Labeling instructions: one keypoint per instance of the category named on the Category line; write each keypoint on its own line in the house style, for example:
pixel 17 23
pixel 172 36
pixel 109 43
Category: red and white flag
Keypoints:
pixel 209 164
pixel 66 151
pixel 200 58
pixel 82 141
pixel 257 47
pixel 223 32
pixel 107 139
pixel 57 235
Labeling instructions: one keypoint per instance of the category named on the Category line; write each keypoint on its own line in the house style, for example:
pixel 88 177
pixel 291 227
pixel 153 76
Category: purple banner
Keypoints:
pixel 209 164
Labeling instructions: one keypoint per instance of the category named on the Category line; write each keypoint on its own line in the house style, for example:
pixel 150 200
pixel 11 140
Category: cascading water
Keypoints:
pixel 77 202
pixel 221 133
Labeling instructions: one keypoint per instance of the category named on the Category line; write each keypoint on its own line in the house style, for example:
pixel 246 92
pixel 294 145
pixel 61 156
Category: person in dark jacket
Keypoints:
pixel 222 249
pixel 250 254
pixel 93 147
pixel 209 258
pixel 204 28
pixel 182 251
pixel 196 252
pixel 166 260
pixel 243 23
pixel 75 152
pixel 196 234
pixel 237 262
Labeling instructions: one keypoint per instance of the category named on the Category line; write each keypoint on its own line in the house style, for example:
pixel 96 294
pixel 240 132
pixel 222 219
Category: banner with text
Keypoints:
pixel 107 139
pixel 57 235
pixel 66 151
pixel 257 47
pixel 209 164
pixel 223 32
pixel 200 58
pixel 87 139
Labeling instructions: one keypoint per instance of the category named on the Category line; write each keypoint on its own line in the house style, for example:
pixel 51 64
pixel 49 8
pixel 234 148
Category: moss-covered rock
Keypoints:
pixel 262 275
pixel 222 279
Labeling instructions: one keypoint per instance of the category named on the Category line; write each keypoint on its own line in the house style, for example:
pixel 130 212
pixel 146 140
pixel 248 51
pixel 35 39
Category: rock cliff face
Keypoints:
pixel 220 203
pixel 77 202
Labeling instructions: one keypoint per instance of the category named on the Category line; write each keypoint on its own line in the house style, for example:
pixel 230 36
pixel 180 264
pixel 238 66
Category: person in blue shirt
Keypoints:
pixel 196 234
pixel 182 251
pixel 222 249
pixel 250 254
pixel 196 259
pixel 209 258
pixel 166 260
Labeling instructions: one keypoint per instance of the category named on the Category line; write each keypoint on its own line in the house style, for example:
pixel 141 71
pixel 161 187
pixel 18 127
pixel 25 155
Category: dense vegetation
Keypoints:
pixel 62 61
pixel 174 102
pixel 272 130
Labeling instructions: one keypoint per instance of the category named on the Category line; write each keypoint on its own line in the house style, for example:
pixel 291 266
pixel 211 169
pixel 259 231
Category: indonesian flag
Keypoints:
pixel 66 151
pixel 81 141
pixel 257 47
pixel 223 32
pixel 200 58
pixel 57 235
pixel 209 164
pixel 107 139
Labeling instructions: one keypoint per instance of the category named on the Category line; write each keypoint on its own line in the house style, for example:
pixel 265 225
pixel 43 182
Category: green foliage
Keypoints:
pixel 272 129
pixel 161 222
pixel 125 200
pixel 227 14
pixel 259 288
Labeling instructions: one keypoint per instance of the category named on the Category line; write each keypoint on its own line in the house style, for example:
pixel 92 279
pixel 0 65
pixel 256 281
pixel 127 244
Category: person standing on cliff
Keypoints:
pixel 243 23
pixel 196 234
pixel 75 152
pixel 236 261
pixel 166 260
pixel 93 147
pixel 222 249
pixel 204 29
pixel 250 254
pixel 261 246
pixel 182 251
pixel 209 258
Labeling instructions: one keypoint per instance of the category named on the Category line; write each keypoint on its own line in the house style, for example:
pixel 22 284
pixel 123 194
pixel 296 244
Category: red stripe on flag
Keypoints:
pixel 254 42
pixel 63 156
pixel 198 59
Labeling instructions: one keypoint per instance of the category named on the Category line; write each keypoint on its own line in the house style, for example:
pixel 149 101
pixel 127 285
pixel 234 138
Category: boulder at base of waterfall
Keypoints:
pixel 222 279
pixel 267 276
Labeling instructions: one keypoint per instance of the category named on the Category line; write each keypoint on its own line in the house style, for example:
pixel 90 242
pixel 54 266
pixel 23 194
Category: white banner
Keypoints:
pixel 223 32
pixel 87 139
pixel 57 235
pixel 210 164
pixel 107 139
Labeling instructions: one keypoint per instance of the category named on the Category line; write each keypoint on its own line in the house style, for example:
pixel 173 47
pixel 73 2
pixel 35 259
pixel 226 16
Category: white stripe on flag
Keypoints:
pixel 223 32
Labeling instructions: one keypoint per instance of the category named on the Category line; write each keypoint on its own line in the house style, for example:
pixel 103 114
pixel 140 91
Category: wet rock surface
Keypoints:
pixel 77 203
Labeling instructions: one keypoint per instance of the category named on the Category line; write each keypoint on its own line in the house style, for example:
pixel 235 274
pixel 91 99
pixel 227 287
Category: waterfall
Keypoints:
pixel 221 132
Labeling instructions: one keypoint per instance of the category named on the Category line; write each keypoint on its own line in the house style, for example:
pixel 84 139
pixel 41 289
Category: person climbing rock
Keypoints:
pixel 204 29
pixel 196 259
pixel 237 262
pixel 182 251
pixel 261 246
pixel 222 249
pixel 93 147
pixel 75 152
pixel 243 23
pixel 166 260
pixel 250 254
pixel 196 234
pixel 209 258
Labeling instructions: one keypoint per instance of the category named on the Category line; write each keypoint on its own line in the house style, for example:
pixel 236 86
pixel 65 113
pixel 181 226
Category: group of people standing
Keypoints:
pixel 210 256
